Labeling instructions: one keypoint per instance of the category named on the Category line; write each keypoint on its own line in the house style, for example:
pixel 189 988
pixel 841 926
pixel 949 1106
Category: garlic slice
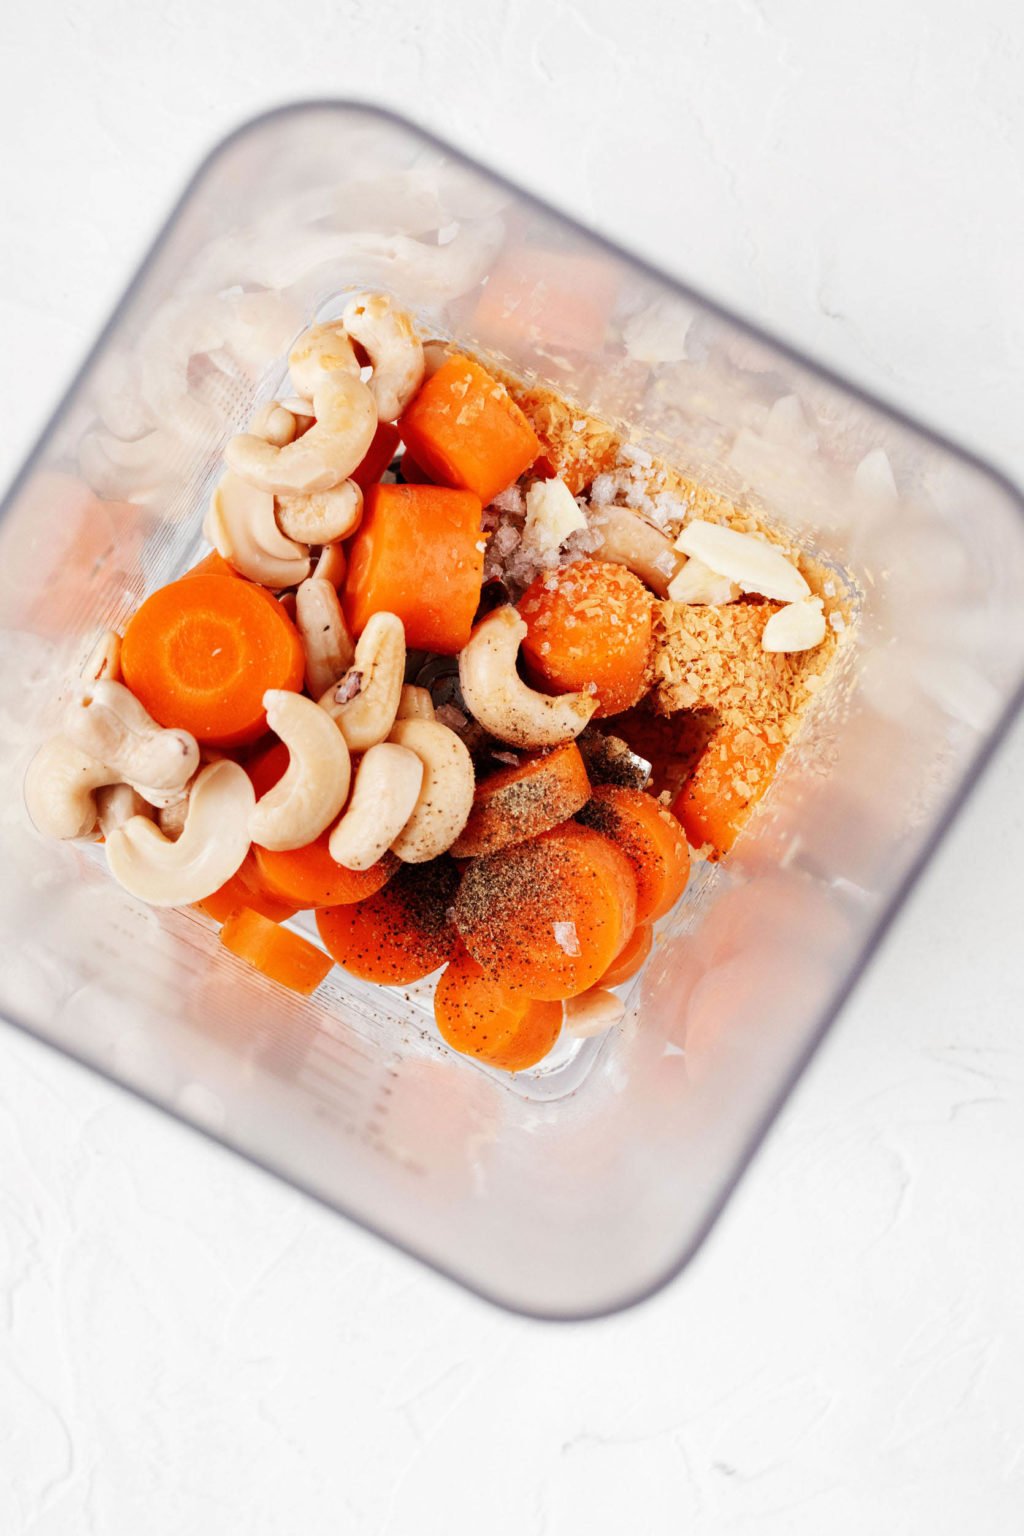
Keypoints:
pixel 751 563
pixel 698 583
pixel 797 627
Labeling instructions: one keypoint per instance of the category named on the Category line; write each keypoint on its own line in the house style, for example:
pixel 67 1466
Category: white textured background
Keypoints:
pixel 187 1348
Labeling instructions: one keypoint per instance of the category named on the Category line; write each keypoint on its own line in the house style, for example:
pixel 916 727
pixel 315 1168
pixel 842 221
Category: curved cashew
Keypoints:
pixel 627 538
pixel 336 443
pixel 331 565
pixel 387 787
pixel 275 424
pixel 364 703
pixel 104 658
pixel 118 803
pixel 591 1013
pixel 107 721
pixel 323 517
pixel 211 848
pixel 446 795
pixel 325 636
pixel 501 702
pixel 320 353
pixel 60 786
pixel 241 526
pixel 315 783
pixel 387 336
pixel 415 704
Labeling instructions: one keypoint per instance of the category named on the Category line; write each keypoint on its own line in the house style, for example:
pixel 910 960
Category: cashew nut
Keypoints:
pixel 336 443
pixel 446 794
pixel 324 517
pixel 320 353
pixel 275 424
pixel 387 336
pixel 591 1013
pixel 211 848
pixel 60 787
pixel 104 658
pixel 501 702
pixel 325 636
pixel 315 784
pixel 118 803
pixel 331 565
pixel 387 787
pixel 241 526
pixel 364 703
pixel 627 538
pixel 415 704
pixel 107 721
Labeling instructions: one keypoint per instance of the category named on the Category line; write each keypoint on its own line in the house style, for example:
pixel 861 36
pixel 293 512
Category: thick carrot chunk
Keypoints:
pixel 515 804
pixel 589 627
pixel 631 957
pixel 201 652
pixel 549 916
pixel 478 1016
pixel 466 430
pixel 733 773
pixel 652 840
pixel 246 889
pixel 401 933
pixel 419 552
pixel 285 957
pixel 378 456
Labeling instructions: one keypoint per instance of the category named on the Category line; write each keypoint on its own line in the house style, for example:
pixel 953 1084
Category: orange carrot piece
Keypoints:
pixel 589 626
pixel 378 456
pixel 652 840
pixel 548 916
pixel 466 430
pixel 246 889
pixel 477 1016
pixel 213 564
pixel 519 803
pixel 284 957
pixel 630 958
pixel 309 877
pixel 733 773
pixel 411 472
pixel 201 652
pixel 557 298
pixel 401 933
pixel 419 552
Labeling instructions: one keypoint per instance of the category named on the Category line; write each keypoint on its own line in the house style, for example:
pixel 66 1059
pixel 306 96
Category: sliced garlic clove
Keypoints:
pixel 592 1013
pixel 753 564
pixel 797 627
pixel 551 514
pixel 698 583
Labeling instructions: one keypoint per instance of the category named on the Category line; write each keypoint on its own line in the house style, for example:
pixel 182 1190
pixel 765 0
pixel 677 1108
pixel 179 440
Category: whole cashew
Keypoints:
pixel 241 526
pixel 210 849
pixel 415 704
pixel 323 517
pixel 331 565
pixel 320 353
pixel 315 783
pixel 60 789
pixel 627 538
pixel 336 443
pixel 501 702
pixel 591 1013
pixel 364 703
pixel 387 336
pixel 387 787
pixel 104 658
pixel 325 637
pixel 107 721
pixel 446 794
pixel 118 803
pixel 275 424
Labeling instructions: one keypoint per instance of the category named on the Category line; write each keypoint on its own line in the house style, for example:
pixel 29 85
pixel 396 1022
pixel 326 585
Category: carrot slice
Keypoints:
pixel 285 957
pixel 419 552
pixel 733 773
pixel 246 889
pixel 548 916
pixel 401 933
pixel 378 456
pixel 213 564
pixel 466 430
pixel 589 626
pixel 309 877
pixel 652 840
pixel 477 1016
pixel 631 956
pixel 518 803
pixel 201 652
